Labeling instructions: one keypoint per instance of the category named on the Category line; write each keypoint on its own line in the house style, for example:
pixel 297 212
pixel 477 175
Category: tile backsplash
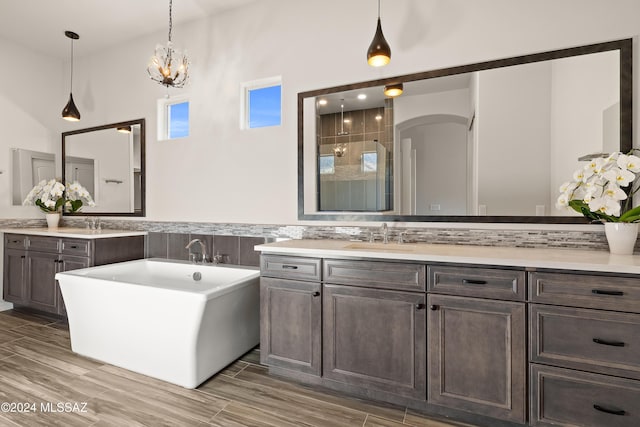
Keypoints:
pixel 168 239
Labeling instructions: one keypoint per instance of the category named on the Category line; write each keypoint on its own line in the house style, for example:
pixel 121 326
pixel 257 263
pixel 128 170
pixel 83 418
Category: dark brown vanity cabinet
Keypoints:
pixel 31 262
pixel 374 325
pixel 585 349
pixel 476 354
pixel 291 313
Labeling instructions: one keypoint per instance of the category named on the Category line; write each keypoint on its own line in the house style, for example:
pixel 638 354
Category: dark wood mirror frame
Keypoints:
pixel 626 127
pixel 140 122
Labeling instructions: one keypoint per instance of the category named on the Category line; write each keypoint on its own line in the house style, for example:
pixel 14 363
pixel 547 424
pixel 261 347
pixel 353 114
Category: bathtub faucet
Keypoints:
pixel 196 256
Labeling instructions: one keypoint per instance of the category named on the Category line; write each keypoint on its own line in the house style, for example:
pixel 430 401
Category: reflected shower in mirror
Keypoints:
pixel 489 142
pixel 109 162
pixel 28 168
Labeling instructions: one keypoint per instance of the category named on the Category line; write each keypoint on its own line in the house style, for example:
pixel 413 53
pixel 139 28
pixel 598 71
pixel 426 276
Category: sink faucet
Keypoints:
pixel 193 255
pixel 385 233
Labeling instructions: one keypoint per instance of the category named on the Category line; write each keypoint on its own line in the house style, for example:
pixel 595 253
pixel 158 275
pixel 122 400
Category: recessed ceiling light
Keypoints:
pixel 347 120
pixel 322 102
pixel 362 96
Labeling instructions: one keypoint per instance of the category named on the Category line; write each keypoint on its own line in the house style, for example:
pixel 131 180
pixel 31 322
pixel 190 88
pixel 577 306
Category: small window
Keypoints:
pixel 262 103
pixel 327 164
pixel 369 161
pixel 173 118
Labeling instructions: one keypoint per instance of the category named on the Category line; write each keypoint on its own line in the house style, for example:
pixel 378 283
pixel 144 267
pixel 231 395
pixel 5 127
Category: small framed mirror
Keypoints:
pixel 109 161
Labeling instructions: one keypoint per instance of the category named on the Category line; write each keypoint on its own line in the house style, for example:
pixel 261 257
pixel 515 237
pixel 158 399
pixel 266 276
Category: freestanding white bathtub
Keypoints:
pixel 171 320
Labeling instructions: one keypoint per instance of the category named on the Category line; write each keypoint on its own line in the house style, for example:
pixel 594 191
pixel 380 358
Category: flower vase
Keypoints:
pixel 621 237
pixel 53 218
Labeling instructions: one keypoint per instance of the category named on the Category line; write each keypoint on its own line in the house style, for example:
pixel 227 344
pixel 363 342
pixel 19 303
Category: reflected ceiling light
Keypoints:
pixel 378 117
pixel 393 90
pixel 362 96
pixel 168 66
pixel 70 111
pixel 322 102
pixel 124 129
pixel 379 52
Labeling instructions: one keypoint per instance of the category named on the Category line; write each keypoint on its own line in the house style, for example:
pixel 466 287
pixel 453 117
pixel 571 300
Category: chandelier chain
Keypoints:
pixel 170 20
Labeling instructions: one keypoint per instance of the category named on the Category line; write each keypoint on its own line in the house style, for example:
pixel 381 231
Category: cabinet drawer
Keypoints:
pixel 44 244
pixel 593 340
pixel 375 274
pixel 285 267
pixel 15 241
pixel 583 290
pixel 76 247
pixel 477 282
pixel 573 398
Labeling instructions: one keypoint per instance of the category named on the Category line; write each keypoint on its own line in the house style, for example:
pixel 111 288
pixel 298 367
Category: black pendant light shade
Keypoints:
pixel 379 52
pixel 70 111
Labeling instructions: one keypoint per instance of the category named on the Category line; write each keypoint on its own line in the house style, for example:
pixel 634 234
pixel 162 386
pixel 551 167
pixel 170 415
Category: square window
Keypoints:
pixel 327 164
pixel 262 103
pixel 369 161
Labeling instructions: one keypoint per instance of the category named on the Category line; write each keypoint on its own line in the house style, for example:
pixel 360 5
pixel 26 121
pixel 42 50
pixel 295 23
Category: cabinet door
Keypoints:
pixel 290 325
pixel 477 356
pixel 68 263
pixel 41 284
pixel 375 338
pixel 14 276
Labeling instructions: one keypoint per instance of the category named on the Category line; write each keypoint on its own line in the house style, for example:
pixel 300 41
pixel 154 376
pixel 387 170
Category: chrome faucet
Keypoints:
pixel 385 233
pixel 193 255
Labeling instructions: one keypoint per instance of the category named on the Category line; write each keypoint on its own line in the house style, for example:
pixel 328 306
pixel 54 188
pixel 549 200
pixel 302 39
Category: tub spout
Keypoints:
pixel 196 256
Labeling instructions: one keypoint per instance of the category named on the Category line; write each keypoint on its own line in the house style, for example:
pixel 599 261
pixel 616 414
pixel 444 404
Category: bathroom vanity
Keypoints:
pixel 32 257
pixel 486 335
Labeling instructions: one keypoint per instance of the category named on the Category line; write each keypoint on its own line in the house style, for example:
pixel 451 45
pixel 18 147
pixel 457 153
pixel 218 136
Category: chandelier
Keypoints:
pixel 168 66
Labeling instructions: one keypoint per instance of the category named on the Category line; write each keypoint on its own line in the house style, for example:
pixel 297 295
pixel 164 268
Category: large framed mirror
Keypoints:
pixel 484 142
pixel 109 161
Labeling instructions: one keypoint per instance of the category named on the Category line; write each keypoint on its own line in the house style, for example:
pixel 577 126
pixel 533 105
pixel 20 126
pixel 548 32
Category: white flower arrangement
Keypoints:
pixel 596 189
pixel 51 196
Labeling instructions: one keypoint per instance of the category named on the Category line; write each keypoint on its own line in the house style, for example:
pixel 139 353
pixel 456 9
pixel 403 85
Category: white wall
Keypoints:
pixel 224 174
pixel 31 100
pixel 514 115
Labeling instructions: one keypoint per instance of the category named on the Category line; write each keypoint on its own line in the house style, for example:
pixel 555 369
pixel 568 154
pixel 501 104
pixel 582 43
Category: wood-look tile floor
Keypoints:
pixel 46 384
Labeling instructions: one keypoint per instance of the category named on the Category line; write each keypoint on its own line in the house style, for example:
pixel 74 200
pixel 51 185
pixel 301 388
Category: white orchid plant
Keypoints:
pixel 596 190
pixel 52 196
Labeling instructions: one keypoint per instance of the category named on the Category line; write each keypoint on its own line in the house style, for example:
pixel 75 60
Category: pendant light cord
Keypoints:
pixel 71 83
pixel 378 9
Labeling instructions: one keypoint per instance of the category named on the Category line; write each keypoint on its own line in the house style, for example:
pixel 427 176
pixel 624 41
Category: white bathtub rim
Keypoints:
pixel 213 292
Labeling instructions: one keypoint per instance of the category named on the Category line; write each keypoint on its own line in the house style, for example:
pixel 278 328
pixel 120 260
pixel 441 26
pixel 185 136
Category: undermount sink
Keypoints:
pixel 378 246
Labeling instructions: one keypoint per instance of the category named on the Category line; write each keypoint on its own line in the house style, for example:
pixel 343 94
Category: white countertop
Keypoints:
pixel 78 233
pixel 569 259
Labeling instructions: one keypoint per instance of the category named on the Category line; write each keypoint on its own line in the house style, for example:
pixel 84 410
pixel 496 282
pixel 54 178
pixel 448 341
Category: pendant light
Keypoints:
pixel 70 111
pixel 393 90
pixel 379 52
pixel 168 66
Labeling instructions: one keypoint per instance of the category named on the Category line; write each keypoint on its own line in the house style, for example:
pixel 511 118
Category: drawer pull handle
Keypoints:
pixel 73 247
pixel 434 307
pixel 289 267
pixel 315 294
pixel 611 343
pixel 420 306
pixel 601 292
pixel 609 411
pixel 473 282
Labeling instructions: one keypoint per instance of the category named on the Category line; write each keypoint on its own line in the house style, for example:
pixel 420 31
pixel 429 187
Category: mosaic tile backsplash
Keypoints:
pixel 170 235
